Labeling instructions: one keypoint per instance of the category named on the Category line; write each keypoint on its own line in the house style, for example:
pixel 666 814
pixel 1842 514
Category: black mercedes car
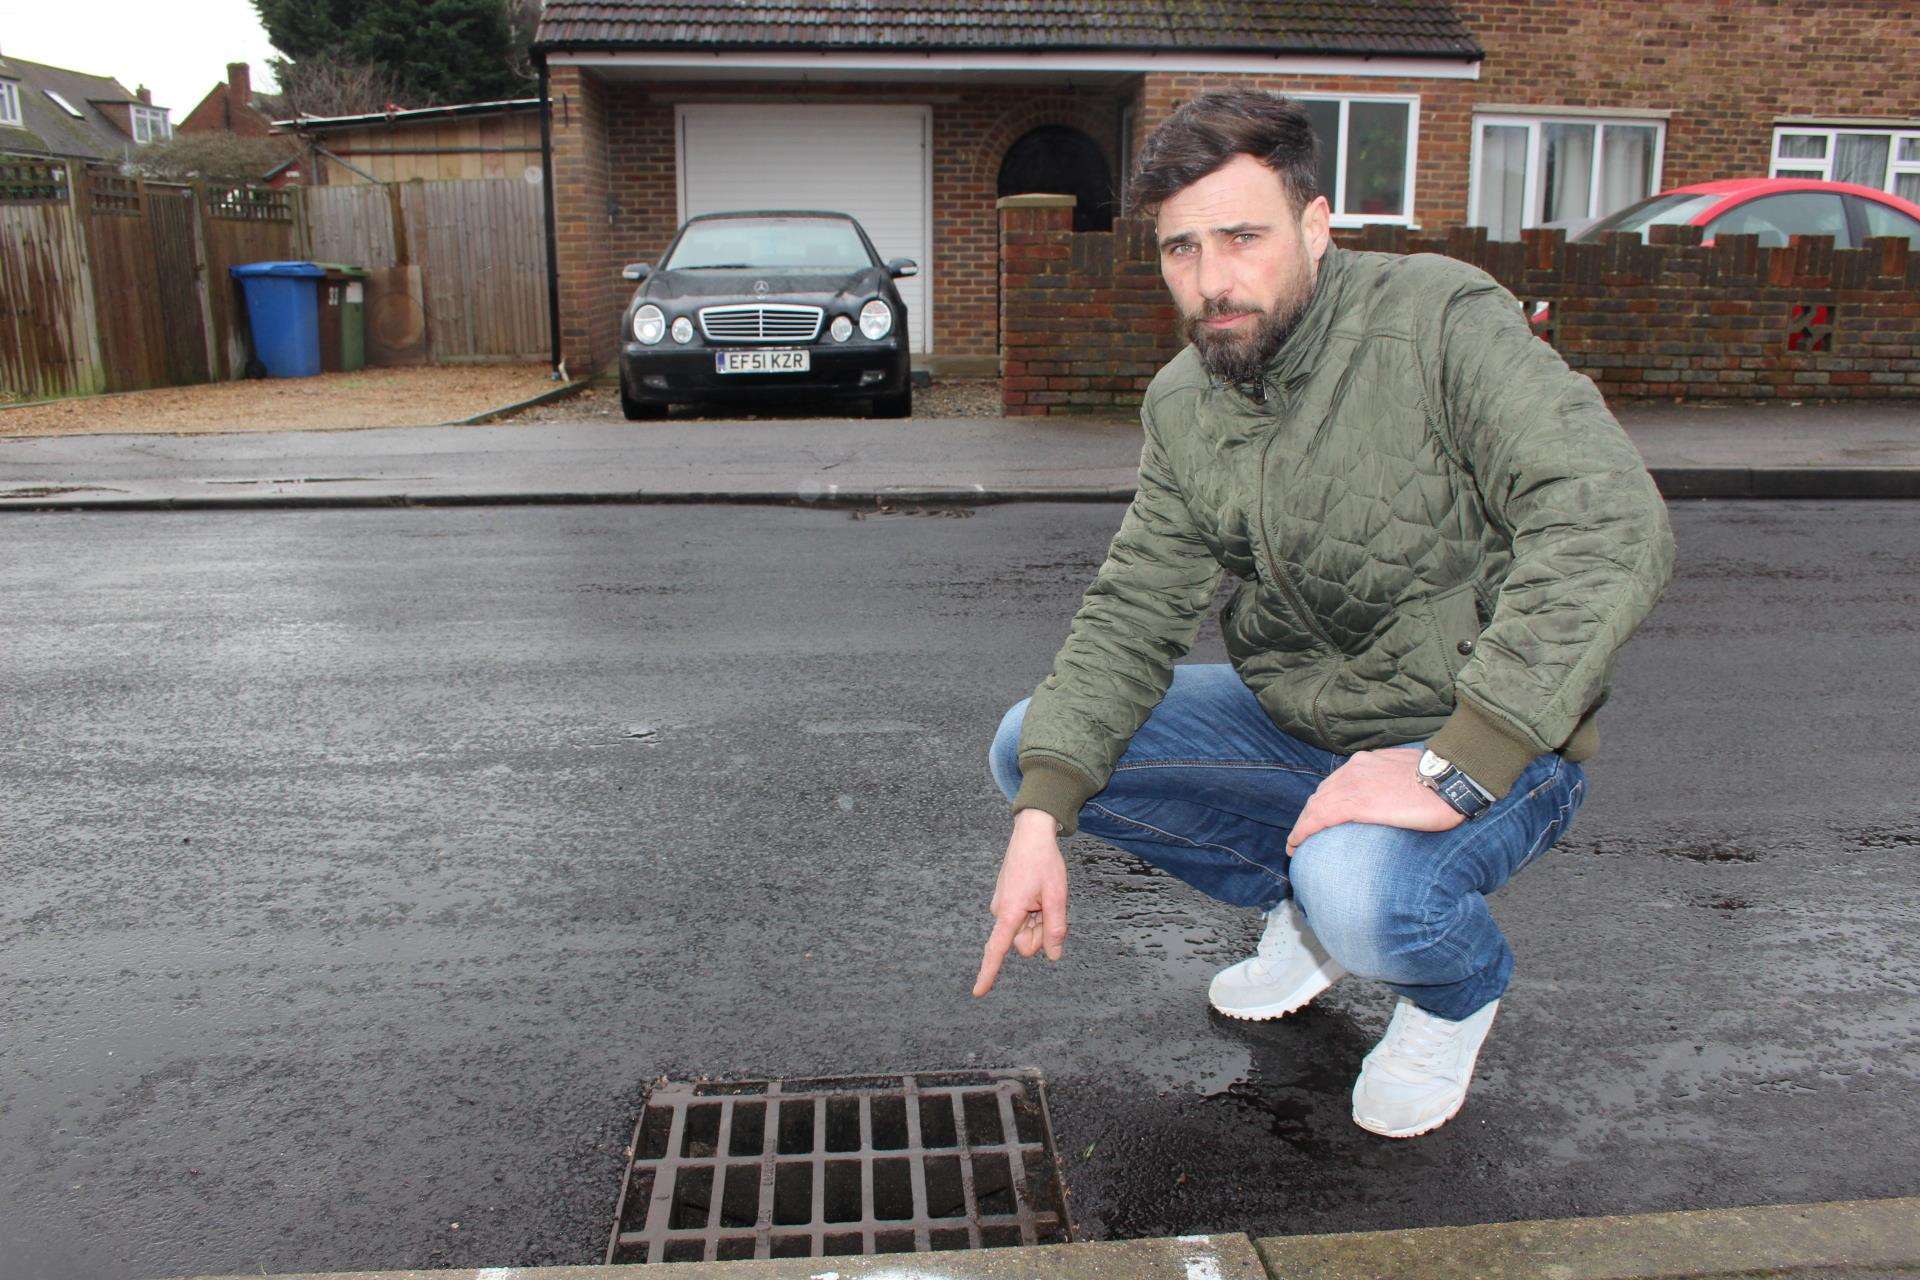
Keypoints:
pixel 761 305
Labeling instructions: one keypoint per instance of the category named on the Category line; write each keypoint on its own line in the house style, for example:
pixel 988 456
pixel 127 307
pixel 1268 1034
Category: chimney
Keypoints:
pixel 144 94
pixel 239 82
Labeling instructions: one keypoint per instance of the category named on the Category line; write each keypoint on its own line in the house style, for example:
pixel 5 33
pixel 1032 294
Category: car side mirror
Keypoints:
pixel 636 270
pixel 903 267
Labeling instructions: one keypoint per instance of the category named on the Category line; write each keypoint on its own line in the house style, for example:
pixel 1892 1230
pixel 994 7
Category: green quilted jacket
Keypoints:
pixel 1438 529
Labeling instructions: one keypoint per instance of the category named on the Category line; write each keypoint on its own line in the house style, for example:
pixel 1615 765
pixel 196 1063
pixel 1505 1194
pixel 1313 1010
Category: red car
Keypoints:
pixel 1771 208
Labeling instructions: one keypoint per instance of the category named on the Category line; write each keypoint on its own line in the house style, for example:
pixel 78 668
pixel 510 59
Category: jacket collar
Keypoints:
pixel 1294 360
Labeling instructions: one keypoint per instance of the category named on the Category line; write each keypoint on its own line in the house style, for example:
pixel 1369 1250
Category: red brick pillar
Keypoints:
pixel 1034 245
pixel 583 226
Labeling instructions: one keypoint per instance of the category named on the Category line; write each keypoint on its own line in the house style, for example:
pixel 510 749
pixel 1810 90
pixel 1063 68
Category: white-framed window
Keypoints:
pixel 1886 158
pixel 1369 144
pixel 9 103
pixel 150 124
pixel 1534 169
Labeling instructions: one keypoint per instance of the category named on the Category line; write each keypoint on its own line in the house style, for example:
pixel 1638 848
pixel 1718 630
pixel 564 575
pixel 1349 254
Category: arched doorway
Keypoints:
pixel 1060 159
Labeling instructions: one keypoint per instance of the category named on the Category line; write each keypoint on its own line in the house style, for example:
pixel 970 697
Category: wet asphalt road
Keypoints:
pixel 361 868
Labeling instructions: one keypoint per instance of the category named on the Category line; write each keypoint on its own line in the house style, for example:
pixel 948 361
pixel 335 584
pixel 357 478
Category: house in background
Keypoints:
pixel 51 111
pixel 915 116
pixel 466 140
pixel 233 107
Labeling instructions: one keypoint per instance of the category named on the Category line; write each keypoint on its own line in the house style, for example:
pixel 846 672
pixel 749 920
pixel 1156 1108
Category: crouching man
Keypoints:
pixel 1441 537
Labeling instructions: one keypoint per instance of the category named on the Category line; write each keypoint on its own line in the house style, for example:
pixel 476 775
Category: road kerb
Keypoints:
pixel 1219 1257
pixel 1853 1238
pixel 561 392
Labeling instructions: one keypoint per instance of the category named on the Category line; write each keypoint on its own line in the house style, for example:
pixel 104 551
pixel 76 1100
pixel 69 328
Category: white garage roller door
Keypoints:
pixel 869 161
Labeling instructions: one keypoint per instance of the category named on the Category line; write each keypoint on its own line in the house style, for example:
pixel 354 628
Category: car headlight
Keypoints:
pixel 649 324
pixel 876 319
pixel 841 328
pixel 683 330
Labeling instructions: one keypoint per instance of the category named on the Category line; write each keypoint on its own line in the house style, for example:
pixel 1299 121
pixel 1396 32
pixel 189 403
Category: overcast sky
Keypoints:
pixel 178 50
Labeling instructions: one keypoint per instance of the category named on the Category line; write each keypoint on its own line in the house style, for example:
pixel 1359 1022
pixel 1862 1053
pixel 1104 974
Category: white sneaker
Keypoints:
pixel 1288 969
pixel 1416 1078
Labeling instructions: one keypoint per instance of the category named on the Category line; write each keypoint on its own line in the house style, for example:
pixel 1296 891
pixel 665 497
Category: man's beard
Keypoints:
pixel 1241 354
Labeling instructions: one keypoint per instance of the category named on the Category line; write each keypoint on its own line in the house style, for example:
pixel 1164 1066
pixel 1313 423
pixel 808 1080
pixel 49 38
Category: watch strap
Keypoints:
pixel 1462 792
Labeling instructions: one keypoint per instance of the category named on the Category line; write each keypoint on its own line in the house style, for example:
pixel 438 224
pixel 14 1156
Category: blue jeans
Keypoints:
pixel 1209 787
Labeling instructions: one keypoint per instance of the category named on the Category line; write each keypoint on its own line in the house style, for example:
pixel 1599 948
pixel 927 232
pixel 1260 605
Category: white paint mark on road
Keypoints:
pixel 1203 1267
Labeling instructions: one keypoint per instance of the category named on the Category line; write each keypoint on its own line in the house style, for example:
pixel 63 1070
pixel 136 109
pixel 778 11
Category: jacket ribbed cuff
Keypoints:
pixel 1482 747
pixel 1046 783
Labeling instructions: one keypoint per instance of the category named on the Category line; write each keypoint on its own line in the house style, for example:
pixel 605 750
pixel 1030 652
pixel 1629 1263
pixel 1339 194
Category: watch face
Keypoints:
pixel 1431 765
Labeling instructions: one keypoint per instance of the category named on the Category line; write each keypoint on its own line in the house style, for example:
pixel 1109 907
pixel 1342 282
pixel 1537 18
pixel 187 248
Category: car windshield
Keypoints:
pixel 1654 211
pixel 771 244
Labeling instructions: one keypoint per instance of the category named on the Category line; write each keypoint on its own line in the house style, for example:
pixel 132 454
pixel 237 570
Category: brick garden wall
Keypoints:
pixel 1086 320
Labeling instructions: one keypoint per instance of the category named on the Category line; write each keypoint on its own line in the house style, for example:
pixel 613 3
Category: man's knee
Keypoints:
pixel 1362 902
pixel 1003 757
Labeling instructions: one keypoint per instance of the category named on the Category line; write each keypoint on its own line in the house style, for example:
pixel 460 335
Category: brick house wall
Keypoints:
pixel 633 132
pixel 1725 69
pixel 1087 320
pixel 1445 123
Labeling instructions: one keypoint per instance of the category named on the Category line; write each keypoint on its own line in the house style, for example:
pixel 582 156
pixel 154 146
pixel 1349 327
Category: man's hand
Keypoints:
pixel 1029 899
pixel 1375 786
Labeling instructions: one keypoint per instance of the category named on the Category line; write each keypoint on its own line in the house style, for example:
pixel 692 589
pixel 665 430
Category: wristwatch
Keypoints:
pixel 1453 785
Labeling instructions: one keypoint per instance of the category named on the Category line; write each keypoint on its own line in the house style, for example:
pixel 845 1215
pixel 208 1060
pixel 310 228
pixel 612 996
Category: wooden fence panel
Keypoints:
pixel 48 343
pixel 182 302
pixel 119 254
pixel 240 224
pixel 481 247
pixel 110 283
pixel 352 224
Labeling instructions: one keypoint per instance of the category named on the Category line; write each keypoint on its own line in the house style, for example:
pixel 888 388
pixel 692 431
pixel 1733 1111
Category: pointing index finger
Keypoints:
pixel 997 944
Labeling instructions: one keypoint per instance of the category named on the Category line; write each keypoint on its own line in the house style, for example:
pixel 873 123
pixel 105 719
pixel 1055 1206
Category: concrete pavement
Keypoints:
pixel 1777 450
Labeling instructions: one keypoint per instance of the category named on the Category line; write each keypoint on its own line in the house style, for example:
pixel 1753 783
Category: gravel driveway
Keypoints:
pixel 413 397
pixel 945 398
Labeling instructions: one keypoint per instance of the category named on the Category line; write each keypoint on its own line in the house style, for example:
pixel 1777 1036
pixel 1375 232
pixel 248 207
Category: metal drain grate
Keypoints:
pixel 857 1165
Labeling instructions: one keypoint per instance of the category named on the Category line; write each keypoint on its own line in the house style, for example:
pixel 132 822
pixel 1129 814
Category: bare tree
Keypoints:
pixel 523 21
pixel 327 86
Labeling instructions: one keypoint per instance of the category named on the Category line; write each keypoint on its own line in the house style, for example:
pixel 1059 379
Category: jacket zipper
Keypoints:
pixel 1282 574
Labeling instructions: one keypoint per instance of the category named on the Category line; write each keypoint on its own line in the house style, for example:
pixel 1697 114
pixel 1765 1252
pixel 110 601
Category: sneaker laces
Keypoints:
pixel 1420 1042
pixel 1274 944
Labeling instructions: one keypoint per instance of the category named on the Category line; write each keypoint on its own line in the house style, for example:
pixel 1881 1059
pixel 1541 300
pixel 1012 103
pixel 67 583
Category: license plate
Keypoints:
pixel 764 360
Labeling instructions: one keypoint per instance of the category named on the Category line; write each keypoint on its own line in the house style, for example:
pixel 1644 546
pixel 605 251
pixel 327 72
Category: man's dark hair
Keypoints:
pixel 1213 128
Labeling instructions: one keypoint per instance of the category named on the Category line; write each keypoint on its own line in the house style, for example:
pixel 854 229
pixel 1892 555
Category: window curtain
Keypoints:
pixel 1861 158
pixel 1503 180
pixel 1626 167
pixel 1568 172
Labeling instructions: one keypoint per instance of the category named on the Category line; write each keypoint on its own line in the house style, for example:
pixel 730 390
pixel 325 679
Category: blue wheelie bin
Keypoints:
pixel 283 312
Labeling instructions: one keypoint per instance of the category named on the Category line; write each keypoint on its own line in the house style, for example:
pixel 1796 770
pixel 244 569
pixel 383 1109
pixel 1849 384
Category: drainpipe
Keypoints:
pixel 546 172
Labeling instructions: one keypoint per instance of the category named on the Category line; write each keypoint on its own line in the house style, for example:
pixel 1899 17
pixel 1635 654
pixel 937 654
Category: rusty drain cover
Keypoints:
pixel 853 1165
